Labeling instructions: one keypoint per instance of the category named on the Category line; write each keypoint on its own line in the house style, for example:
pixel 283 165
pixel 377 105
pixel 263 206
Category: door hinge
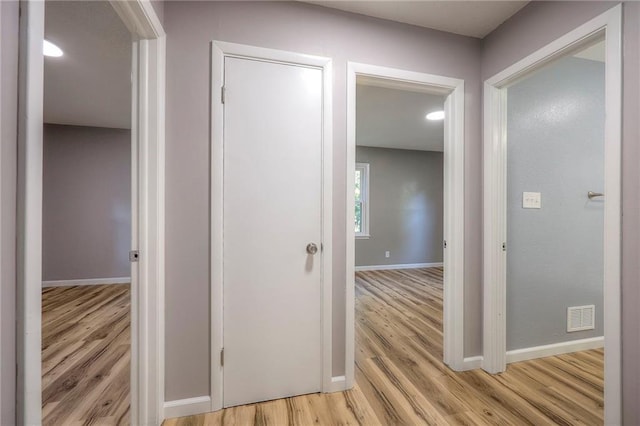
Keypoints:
pixel 222 357
pixel 222 93
pixel 504 246
pixel 134 255
pixel 444 244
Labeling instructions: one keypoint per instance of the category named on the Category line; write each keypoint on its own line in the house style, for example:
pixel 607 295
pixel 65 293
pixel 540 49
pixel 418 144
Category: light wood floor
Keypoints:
pixel 85 355
pixel 400 378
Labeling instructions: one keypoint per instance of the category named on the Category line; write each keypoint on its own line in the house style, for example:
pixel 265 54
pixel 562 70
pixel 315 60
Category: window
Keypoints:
pixel 362 200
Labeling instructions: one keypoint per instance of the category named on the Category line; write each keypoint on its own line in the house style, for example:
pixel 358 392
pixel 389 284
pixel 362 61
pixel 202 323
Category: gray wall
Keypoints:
pixel 8 172
pixel 86 218
pixel 406 200
pixel 534 26
pixel 555 133
pixel 311 29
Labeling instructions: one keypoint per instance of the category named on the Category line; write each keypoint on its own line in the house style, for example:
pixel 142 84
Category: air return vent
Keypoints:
pixel 581 318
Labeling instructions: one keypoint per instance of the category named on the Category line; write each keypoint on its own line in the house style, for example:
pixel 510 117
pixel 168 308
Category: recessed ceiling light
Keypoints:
pixel 50 49
pixel 435 115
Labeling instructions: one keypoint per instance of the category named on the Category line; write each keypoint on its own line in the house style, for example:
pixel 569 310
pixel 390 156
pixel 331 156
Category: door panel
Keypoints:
pixel 272 210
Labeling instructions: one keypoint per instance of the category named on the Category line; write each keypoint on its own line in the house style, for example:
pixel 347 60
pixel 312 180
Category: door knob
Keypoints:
pixel 312 248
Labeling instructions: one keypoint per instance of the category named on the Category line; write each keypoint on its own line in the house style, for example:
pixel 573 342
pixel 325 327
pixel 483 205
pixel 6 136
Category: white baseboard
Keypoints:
pixel 469 363
pixel 472 363
pixel 338 384
pixel 88 281
pixel 401 266
pixel 187 407
pixel 554 349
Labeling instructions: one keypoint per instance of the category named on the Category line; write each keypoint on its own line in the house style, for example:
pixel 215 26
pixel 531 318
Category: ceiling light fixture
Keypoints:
pixel 50 49
pixel 435 115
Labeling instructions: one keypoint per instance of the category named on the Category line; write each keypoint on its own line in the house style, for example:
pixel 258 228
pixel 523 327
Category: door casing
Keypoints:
pixel 147 295
pixel 495 198
pixel 220 50
pixel 453 297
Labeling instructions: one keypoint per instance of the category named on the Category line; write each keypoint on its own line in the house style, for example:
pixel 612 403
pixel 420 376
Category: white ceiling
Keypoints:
pixel 474 18
pixel 392 118
pixel 90 85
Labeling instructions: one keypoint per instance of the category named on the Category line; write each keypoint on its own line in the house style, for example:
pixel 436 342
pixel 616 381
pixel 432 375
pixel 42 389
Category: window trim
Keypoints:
pixel 365 200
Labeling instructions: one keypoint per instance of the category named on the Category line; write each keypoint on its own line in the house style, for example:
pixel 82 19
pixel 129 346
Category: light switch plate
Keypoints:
pixel 531 200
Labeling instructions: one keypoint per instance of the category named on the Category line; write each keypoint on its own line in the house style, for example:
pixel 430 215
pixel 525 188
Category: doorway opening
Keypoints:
pixel 398 178
pixel 146 41
pixel 399 188
pixel 552 210
pixel 425 217
pixel 86 216
pixel 555 222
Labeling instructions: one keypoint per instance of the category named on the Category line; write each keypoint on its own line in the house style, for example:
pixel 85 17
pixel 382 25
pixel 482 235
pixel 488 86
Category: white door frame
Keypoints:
pixel 147 295
pixel 220 50
pixel 495 197
pixel 453 303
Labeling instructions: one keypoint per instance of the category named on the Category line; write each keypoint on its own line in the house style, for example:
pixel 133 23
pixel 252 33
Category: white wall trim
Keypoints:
pixel 399 266
pixel 494 329
pixel 147 275
pixel 187 407
pixel 86 281
pixel 365 169
pixel 139 17
pixel 327 223
pixel 2 292
pixel 220 50
pixel 472 363
pixel 554 349
pixel 29 215
pixel 495 230
pixel 338 384
pixel 453 319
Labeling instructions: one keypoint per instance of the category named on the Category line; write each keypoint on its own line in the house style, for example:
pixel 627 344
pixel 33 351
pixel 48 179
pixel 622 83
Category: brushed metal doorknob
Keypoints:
pixel 591 195
pixel 312 248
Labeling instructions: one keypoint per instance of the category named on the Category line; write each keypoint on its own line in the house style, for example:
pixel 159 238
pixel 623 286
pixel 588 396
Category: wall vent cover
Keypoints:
pixel 581 318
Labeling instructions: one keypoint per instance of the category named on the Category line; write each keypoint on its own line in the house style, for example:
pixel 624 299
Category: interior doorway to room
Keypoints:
pixel 399 212
pixel 406 172
pixel 555 221
pixel 555 204
pixel 86 215
pixel 552 125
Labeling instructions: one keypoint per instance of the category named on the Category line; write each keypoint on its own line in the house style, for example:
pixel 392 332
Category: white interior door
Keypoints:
pixel 272 211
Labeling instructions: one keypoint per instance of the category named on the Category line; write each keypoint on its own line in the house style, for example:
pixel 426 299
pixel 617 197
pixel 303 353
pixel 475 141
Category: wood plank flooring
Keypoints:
pixel 401 380
pixel 85 355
